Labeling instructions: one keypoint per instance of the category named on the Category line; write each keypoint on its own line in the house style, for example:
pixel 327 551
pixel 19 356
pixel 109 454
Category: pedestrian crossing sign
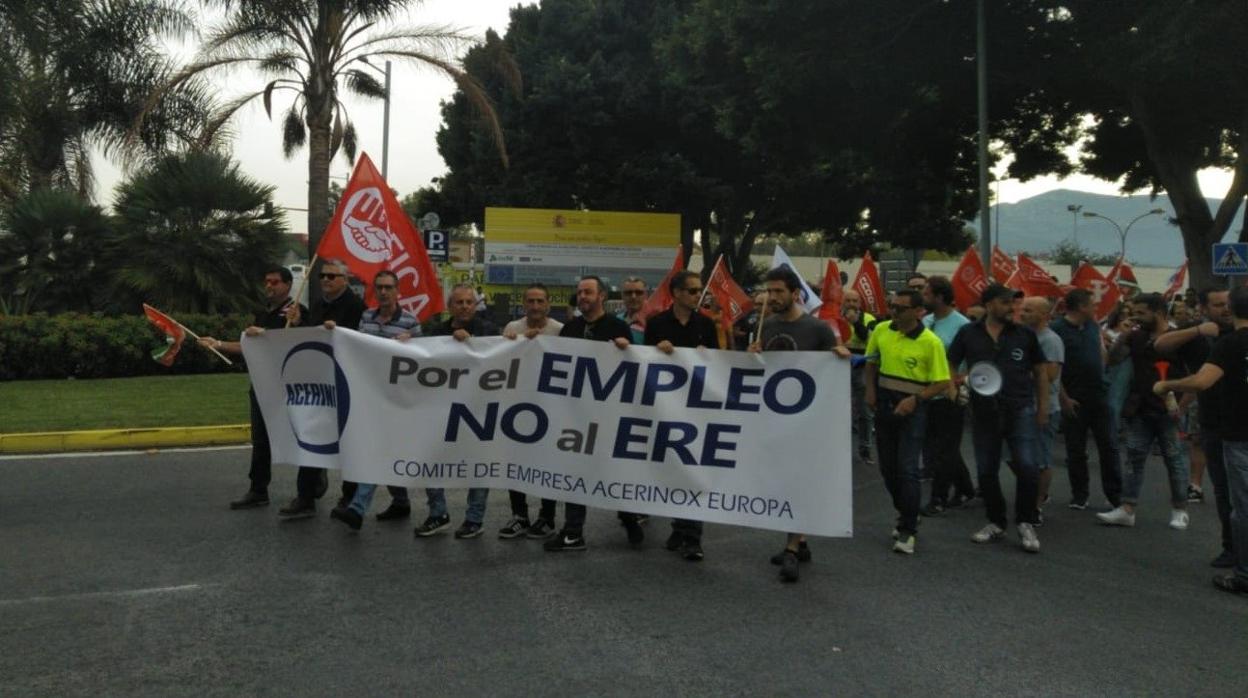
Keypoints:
pixel 1230 259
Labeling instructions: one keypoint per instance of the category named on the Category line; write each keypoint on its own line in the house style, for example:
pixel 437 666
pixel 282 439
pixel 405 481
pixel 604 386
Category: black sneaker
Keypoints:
pixel 1195 494
pixel 540 529
pixel 674 541
pixel 1225 560
pixel 299 508
pixel 251 500
pixel 564 542
pixel 803 554
pixel 692 550
pixel 1231 583
pixel 933 509
pixel 788 566
pixel 432 526
pixel 395 512
pixel 1078 504
pixel 468 529
pixel 514 528
pixel 635 533
pixel 348 517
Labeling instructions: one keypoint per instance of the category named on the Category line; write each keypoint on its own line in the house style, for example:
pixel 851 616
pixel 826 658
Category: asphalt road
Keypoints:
pixel 127 575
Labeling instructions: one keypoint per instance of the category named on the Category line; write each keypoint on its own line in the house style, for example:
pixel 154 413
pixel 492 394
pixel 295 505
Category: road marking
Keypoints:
pixel 104 454
pixel 87 596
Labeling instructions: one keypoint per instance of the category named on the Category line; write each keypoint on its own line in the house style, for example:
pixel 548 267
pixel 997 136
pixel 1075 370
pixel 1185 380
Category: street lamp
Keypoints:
pixel 1122 233
pixel 1074 221
pixel 385 127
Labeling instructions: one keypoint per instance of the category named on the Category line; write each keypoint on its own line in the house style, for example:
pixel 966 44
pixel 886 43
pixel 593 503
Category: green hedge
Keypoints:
pixel 91 346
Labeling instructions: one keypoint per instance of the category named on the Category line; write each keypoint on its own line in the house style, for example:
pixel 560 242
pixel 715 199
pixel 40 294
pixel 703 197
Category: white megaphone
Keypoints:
pixel 985 378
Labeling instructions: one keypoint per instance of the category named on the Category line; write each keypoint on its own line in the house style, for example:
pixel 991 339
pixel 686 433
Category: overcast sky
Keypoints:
pixel 414 121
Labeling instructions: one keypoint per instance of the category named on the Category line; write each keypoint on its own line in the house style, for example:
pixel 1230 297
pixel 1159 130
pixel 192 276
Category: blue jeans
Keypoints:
pixel 1235 455
pixel 860 414
pixel 1142 431
pixel 436 498
pixel 363 498
pixel 1215 465
pixel 899 442
pixel 1044 445
pixel 993 425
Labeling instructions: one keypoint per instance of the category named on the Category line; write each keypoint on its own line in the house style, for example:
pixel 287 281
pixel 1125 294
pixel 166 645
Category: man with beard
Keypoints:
pixel 945 417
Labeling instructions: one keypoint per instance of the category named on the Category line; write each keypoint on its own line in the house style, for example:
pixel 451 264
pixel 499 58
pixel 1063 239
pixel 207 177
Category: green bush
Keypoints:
pixel 91 346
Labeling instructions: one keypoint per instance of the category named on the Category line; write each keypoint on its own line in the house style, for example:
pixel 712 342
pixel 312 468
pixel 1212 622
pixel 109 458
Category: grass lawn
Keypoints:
pixel 147 401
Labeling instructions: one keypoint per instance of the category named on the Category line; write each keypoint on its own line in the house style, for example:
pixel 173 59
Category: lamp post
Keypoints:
pixel 1122 232
pixel 1074 221
pixel 385 124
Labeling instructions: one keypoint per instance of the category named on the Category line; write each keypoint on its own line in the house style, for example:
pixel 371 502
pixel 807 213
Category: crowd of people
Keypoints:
pixel 1015 370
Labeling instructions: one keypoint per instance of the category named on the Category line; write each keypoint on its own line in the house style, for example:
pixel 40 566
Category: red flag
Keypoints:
pixel 1002 266
pixel 1176 282
pixel 867 284
pixel 1015 282
pixel 734 302
pixel 969 280
pixel 1105 294
pixel 661 299
pixel 1035 280
pixel 174 335
pixel 833 295
pixel 371 232
pixel 1121 274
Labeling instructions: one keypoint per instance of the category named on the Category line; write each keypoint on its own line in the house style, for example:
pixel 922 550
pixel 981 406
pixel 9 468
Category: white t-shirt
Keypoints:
pixel 519 327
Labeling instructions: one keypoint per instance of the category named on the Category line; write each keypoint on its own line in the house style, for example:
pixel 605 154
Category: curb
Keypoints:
pixel 111 439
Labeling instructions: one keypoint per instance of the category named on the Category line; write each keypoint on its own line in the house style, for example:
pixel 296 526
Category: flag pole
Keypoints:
pixel 211 349
pixel 706 287
pixel 303 284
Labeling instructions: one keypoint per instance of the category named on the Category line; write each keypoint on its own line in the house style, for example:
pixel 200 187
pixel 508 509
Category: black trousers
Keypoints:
pixel 574 517
pixel 1215 464
pixel 942 448
pixel 520 507
pixel 1092 414
pixel 261 472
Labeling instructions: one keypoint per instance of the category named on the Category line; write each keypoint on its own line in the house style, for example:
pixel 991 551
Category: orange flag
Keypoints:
pixel 833 295
pixel 1035 280
pixel 661 299
pixel 1002 266
pixel 969 280
pixel 1105 294
pixel 867 284
pixel 371 232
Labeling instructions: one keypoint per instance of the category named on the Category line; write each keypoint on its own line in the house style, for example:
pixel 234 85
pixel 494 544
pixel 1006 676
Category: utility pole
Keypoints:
pixel 981 70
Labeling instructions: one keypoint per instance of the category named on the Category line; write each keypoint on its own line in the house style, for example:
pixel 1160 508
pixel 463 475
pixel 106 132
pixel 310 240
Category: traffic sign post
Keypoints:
pixel 437 245
pixel 1230 259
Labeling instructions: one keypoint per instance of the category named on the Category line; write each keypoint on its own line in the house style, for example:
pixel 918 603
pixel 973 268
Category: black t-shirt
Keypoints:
pixel 477 327
pixel 1230 353
pixel 604 329
pixel 806 333
pixel 1016 353
pixel 698 332
pixel 1193 355
pixel 1141 399
pixel 1083 373
pixel 345 310
pixel 275 318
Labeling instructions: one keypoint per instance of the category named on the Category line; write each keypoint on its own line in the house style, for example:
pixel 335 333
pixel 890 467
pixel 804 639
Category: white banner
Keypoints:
pixel 725 437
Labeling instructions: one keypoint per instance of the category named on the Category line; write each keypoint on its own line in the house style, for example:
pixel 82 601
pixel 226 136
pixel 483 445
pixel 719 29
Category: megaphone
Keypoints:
pixel 985 378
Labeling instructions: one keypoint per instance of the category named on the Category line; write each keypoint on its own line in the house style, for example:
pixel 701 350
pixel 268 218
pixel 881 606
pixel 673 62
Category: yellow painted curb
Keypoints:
pixel 112 439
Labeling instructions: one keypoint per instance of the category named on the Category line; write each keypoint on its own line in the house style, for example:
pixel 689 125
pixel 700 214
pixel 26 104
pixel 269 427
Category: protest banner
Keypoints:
pixel 727 437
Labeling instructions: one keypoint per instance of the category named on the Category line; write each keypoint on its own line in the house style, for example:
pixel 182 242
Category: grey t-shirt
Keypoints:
pixel 521 325
pixel 806 333
pixel 1054 352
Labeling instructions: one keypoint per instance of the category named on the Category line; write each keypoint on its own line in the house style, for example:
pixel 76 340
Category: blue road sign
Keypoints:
pixel 1230 258
pixel 437 244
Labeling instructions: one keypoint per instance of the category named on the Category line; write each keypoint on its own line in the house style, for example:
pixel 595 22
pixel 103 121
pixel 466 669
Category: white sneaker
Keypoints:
pixel 988 533
pixel 1178 519
pixel 1117 517
pixel 1031 542
pixel 904 545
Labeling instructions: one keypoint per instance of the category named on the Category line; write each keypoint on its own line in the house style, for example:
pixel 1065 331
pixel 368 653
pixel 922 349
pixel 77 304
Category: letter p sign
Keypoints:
pixel 436 245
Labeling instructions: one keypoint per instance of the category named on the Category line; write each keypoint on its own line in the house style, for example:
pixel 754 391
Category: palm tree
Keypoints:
pixel 75 75
pixel 50 253
pixel 313 49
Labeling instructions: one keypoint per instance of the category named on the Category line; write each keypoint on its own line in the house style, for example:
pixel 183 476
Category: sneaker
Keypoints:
pixel 299 508
pixel 1195 494
pixel 692 551
pixel 1039 519
pixel 904 545
pixel 788 566
pixel 635 533
pixel 1225 560
pixel 803 554
pixel 1117 517
pixel 540 529
pixel 564 542
pixel 395 512
pixel 251 500
pixel 988 533
pixel 432 525
pixel 1045 502
pixel 468 529
pixel 514 528
pixel 348 517
pixel 933 509
pixel 675 540
pixel 865 456
pixel 896 534
pixel 643 519
pixel 1179 519
pixel 958 501
pixel 1231 583
pixel 1031 542
pixel 1078 504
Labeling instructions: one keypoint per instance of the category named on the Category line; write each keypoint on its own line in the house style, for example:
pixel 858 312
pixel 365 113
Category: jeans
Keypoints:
pixel 261 457
pixel 1142 431
pixel 991 428
pixel 1215 464
pixel 1119 379
pixel 362 498
pixel 436 497
pixel 520 507
pixel 861 416
pixel 1044 446
pixel 942 448
pixel 1235 455
pixel 899 442
pixel 1093 413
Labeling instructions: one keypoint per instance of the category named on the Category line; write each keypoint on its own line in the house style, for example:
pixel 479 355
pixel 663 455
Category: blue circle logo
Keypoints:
pixel 317 408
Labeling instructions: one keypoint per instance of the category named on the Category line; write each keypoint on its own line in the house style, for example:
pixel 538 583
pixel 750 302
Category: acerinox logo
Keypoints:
pixel 364 226
pixel 318 410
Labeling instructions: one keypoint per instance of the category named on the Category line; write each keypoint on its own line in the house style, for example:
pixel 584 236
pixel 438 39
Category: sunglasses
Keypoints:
pixel 327 275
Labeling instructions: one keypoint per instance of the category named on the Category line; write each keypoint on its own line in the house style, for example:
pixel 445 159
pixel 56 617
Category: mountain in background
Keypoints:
pixel 1037 224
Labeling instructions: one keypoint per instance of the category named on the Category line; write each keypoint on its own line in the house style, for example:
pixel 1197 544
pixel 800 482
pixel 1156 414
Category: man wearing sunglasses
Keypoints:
pixel 682 325
pixel 633 291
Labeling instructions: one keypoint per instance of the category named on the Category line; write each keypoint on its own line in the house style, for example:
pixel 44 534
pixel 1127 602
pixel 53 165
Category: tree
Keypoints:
pixel 193 235
pixel 49 254
pixel 311 50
